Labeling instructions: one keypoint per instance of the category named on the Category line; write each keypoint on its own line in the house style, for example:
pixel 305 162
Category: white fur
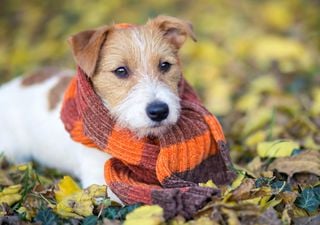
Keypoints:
pixel 131 112
pixel 28 130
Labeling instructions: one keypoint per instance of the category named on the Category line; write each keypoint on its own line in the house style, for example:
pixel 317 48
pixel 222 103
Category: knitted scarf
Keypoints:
pixel 163 170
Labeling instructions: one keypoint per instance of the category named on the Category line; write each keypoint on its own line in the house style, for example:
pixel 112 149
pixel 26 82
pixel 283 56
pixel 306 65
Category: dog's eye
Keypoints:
pixel 121 72
pixel 164 67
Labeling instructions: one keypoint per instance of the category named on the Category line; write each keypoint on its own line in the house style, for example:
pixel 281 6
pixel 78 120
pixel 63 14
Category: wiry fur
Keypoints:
pixel 29 130
pixel 131 112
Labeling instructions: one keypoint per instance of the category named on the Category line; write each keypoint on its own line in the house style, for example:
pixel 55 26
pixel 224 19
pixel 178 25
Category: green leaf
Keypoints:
pixel 316 192
pixel 280 186
pixel 90 220
pixel 262 181
pixel 307 200
pixel 46 217
pixel 118 213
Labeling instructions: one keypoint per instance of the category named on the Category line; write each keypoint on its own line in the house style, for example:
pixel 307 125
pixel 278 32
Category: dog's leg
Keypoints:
pixel 91 169
pixel 91 166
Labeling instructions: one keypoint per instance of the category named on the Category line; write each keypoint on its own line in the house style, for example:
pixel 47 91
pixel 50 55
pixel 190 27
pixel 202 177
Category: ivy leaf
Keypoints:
pixel 90 220
pixel 307 200
pixel 262 181
pixel 118 213
pixel 280 186
pixel 46 217
pixel 316 191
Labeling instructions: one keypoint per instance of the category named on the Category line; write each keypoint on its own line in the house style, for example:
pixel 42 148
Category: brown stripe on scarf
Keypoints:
pixel 165 169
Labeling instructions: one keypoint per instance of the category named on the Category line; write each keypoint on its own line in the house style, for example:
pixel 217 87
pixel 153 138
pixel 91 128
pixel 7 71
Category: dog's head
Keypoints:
pixel 136 70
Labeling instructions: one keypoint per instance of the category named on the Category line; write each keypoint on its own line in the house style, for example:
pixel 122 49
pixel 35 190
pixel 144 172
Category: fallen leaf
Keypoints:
pixel 66 187
pixel 268 217
pixel 256 119
pixel 145 215
pixel 307 161
pixel 118 212
pixel 243 191
pixel 314 220
pixel 232 217
pixel 10 195
pixel 276 149
pixel 91 220
pixel 210 184
pixel 46 217
pixel 80 204
pixel 307 200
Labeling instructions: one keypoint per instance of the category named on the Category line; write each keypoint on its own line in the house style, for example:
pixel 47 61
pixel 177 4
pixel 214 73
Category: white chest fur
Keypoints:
pixel 29 130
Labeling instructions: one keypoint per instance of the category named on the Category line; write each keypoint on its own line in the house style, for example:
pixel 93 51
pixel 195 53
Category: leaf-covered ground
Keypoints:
pixel 256 65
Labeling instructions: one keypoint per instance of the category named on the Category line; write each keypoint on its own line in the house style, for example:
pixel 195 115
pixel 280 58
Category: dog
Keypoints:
pixel 135 72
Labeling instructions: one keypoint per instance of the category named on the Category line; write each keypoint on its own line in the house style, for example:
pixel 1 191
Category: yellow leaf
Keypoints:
pixel 277 15
pixel 289 53
pixel 202 221
pixel 81 203
pixel 27 214
pixel 236 183
pixel 263 84
pixel 208 184
pixel 248 102
pixel 256 119
pixel 255 138
pixel 67 186
pixel 10 195
pixel 145 215
pixel 309 143
pixel 271 203
pixel 298 212
pixel 218 96
pixel 276 149
pixel 232 217
pixel 254 201
pixel 315 108
pixel 78 205
pixel 285 217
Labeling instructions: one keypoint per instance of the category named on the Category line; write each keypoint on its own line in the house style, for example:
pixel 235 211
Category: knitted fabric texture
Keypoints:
pixel 163 170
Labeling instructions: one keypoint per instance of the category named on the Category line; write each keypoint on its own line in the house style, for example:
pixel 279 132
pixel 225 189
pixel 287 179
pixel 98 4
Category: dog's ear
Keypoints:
pixel 86 46
pixel 174 29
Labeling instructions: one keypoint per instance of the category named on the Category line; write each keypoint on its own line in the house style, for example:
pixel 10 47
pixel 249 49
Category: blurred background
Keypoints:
pixel 256 64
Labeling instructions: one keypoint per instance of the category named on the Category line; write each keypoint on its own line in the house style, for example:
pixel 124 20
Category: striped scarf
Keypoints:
pixel 163 170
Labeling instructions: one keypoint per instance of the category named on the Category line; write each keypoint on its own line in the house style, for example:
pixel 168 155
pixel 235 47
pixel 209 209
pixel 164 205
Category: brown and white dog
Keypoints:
pixel 135 71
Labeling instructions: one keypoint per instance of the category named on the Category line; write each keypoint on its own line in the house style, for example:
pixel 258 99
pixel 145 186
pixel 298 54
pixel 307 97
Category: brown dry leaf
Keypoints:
pixel 314 220
pixel 307 161
pixel 248 191
pixel 255 166
pixel 269 217
pixel 243 191
pixel 305 179
pixel 288 197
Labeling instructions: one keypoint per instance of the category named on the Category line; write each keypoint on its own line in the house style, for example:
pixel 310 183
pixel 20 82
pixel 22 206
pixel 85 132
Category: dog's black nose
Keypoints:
pixel 157 111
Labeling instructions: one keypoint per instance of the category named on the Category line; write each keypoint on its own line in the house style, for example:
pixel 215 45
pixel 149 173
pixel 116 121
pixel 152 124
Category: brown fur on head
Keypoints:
pixel 140 51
